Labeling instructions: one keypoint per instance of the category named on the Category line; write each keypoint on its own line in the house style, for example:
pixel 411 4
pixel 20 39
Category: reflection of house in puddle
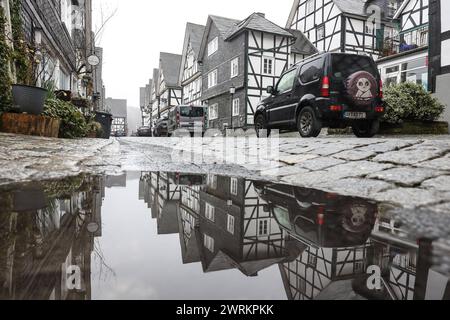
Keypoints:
pixel 46 228
pixel 163 196
pixel 223 225
pixel 341 239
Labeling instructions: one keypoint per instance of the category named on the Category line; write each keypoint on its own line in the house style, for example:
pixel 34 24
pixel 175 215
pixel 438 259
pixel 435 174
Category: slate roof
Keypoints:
pixel 170 67
pixel 224 24
pixel 156 80
pixel 195 32
pixel 302 44
pixel 257 22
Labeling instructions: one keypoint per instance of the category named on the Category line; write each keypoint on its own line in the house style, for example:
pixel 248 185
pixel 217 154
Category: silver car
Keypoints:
pixel 187 119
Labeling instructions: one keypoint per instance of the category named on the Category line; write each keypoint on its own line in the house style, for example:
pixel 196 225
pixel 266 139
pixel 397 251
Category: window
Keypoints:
pixel 312 260
pixel 213 46
pixel 309 6
pixel 311 71
pixel 359 267
pixel 263 227
pixel 209 243
pixel 214 112
pixel 369 29
pixel 212 79
pixel 286 82
pixel 345 65
pixel 234 186
pixel 268 68
pixel 234 67
pixel 210 212
pixel 320 32
pixel 66 14
pixel 212 181
pixel 230 224
pixel 236 107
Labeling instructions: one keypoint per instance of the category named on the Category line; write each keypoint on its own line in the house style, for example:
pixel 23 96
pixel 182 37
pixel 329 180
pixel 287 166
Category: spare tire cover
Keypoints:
pixel 362 88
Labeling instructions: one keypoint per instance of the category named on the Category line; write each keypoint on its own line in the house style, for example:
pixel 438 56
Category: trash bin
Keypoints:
pixel 105 119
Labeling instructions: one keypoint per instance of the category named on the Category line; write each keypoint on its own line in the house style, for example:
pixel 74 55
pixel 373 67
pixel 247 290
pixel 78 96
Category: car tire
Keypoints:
pixel 262 131
pixel 308 125
pixel 366 129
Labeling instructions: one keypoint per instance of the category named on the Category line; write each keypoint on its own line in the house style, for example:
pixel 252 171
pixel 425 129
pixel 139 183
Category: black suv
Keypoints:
pixel 334 90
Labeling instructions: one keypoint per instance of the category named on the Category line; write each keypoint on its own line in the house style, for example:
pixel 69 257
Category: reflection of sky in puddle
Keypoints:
pixel 149 266
pixel 176 236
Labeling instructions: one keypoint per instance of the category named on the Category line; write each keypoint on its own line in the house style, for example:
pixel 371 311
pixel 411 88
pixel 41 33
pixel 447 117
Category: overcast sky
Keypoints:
pixel 141 29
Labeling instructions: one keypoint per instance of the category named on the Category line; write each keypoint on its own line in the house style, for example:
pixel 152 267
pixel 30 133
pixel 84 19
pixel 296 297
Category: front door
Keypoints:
pixel 284 100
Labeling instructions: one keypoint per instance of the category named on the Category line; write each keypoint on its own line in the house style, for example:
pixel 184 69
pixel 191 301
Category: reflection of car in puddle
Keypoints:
pixel 185 179
pixel 318 218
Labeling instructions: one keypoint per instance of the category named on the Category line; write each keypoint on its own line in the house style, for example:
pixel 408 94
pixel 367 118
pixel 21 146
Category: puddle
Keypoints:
pixel 183 236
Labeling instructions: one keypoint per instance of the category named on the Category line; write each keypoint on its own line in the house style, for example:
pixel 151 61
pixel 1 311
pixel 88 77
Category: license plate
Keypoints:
pixel 355 115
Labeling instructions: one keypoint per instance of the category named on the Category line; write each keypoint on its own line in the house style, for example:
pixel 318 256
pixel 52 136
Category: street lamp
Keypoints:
pixel 232 92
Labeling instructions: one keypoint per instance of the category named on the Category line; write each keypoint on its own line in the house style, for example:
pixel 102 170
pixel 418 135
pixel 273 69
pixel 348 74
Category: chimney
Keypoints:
pixel 261 14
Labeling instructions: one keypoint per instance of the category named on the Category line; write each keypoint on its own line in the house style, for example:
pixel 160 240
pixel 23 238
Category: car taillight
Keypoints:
pixel 379 109
pixel 321 216
pixel 325 89
pixel 336 108
pixel 178 118
pixel 381 89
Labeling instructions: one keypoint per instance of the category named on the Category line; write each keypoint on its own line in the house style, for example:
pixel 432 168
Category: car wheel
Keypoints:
pixel 366 129
pixel 307 123
pixel 261 127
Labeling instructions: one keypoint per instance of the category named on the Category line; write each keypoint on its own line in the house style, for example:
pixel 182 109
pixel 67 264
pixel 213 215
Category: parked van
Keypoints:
pixel 332 90
pixel 187 118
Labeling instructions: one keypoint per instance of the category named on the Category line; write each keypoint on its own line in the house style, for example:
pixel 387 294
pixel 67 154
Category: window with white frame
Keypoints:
pixel 66 14
pixel 212 79
pixel 309 6
pixel 236 107
pixel 209 243
pixel 234 186
pixel 212 181
pixel 213 46
pixel 263 227
pixel 210 212
pixel 234 67
pixel 320 32
pixel 230 224
pixel 214 112
pixel 268 66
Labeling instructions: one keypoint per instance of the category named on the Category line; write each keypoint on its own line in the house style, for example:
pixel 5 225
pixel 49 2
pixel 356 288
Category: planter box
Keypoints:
pixel 415 128
pixel 30 125
pixel 406 128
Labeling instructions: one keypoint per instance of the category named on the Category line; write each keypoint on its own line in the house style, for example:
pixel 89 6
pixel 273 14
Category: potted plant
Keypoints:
pixel 30 65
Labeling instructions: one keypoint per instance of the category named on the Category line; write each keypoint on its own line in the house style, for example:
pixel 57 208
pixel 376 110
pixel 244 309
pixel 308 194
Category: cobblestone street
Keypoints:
pixel 410 172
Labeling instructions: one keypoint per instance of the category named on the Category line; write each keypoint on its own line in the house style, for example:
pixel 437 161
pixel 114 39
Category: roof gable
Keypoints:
pixel 222 24
pixel 193 37
pixel 302 44
pixel 257 22
pixel 170 65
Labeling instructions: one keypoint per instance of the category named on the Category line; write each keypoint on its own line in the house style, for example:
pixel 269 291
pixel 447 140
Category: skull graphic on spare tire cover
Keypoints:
pixel 362 88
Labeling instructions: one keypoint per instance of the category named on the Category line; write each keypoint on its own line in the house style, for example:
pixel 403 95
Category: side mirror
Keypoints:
pixel 270 90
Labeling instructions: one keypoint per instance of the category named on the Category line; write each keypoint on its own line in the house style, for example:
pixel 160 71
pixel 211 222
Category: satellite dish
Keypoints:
pixel 93 60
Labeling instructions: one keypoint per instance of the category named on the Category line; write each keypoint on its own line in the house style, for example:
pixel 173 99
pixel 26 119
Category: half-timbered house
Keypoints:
pixel 234 230
pixel 405 55
pixel 165 205
pixel 169 89
pixel 440 52
pixel 191 71
pixel 240 59
pixel 345 25
pixel 154 100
